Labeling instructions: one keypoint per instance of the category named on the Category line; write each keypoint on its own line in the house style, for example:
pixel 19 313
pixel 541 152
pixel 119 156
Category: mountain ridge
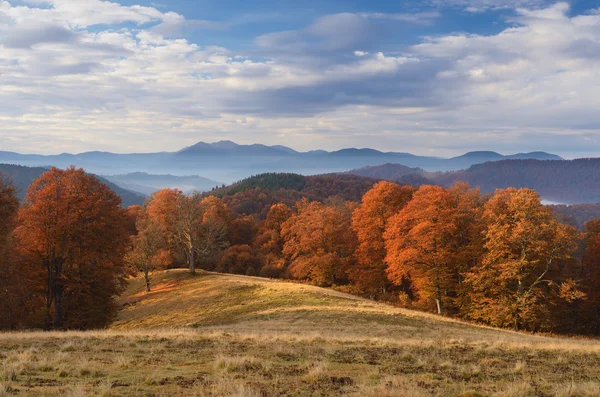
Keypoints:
pixel 227 161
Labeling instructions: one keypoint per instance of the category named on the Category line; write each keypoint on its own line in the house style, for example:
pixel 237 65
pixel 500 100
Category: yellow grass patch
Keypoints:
pixel 224 335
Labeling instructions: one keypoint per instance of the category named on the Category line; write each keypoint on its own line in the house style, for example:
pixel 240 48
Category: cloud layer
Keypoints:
pixel 99 75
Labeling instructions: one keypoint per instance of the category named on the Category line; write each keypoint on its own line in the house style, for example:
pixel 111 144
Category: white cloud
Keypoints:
pixel 424 18
pixel 486 5
pixel 146 88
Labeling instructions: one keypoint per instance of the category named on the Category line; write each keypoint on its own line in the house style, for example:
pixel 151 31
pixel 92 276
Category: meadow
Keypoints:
pixel 224 335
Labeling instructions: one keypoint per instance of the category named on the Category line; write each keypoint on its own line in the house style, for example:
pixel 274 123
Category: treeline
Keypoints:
pixel 501 259
pixel 563 181
pixel 576 215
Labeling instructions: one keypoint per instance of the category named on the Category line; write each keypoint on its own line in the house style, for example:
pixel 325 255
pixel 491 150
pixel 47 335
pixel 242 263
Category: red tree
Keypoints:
pixel 72 225
pixel 369 222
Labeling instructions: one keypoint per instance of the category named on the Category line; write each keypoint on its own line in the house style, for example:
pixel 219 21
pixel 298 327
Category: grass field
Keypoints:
pixel 224 335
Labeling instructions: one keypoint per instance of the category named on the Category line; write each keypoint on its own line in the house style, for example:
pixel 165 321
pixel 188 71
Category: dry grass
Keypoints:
pixel 221 335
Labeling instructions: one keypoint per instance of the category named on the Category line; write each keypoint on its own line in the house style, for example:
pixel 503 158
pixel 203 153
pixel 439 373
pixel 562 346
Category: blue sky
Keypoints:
pixel 436 77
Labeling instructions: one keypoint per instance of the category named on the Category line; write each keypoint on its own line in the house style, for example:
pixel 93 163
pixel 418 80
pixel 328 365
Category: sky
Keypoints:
pixel 430 77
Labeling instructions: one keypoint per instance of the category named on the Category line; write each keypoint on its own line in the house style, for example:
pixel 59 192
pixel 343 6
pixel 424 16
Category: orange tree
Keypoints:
pixel 149 249
pixel 369 222
pixel 73 227
pixel 191 225
pixel 430 241
pixel 319 241
pixel 588 311
pixel 19 290
pixel 521 277
pixel 269 241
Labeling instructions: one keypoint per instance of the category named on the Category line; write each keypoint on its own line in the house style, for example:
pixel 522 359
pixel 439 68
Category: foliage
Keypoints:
pixel 369 222
pixel 18 290
pixel 319 242
pixel 268 181
pixel 73 227
pixel 430 242
pixel 192 225
pixel 519 279
pixel 503 259
pixel 563 181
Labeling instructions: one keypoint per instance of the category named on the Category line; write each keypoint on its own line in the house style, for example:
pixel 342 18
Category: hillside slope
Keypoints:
pixel 257 337
pixel 560 181
pixel 254 304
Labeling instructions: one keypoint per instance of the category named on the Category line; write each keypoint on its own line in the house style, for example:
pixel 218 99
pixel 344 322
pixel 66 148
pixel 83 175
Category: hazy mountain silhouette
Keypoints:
pixel 227 161
pixel 149 183
pixel 559 181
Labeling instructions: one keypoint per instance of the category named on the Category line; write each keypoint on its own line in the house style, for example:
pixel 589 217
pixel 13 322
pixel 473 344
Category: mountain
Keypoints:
pixel 231 148
pixel 228 161
pixel 24 176
pixel 388 171
pixel 534 156
pixel 148 183
pixel 557 181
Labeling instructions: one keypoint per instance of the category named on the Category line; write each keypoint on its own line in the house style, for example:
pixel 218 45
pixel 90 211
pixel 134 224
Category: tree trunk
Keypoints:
pixel 192 261
pixel 438 301
pixel 49 292
pixel 147 278
pixel 58 315
pixel 520 303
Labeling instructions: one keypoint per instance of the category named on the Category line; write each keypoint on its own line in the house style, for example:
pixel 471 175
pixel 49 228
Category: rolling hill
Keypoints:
pixel 223 335
pixel 560 181
pixel 388 171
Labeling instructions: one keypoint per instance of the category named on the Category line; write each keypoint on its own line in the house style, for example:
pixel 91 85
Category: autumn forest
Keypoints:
pixel 500 259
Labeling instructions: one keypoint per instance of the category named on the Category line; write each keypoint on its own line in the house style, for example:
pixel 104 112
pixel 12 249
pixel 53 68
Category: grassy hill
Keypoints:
pixel 226 335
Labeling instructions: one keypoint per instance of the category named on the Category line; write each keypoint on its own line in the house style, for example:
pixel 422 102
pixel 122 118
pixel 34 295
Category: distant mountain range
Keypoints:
pixel 558 181
pixel 23 176
pixel 148 183
pixel 227 161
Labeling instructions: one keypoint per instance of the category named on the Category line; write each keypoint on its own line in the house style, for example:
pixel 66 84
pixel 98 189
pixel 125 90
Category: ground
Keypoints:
pixel 224 335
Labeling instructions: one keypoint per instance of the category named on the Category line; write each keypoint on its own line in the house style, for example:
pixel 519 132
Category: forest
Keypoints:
pixel 562 181
pixel 502 259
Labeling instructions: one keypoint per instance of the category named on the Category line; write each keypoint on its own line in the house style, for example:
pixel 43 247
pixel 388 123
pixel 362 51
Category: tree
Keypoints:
pixel 72 225
pixel 18 288
pixel 269 241
pixel 239 259
pixel 9 205
pixel 520 277
pixel 242 231
pixel 149 250
pixel 432 241
pixel 369 222
pixel 319 241
pixel 161 210
pixel 194 226
pixel 467 238
pixel 187 226
pixel 589 310
pixel 214 228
